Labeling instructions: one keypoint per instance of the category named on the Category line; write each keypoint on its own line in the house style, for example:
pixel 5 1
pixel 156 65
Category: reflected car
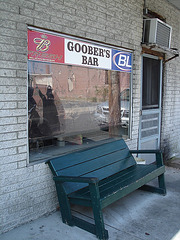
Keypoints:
pixel 102 111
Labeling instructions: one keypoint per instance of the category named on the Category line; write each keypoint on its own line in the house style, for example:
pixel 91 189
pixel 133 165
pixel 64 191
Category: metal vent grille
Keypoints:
pixel 163 34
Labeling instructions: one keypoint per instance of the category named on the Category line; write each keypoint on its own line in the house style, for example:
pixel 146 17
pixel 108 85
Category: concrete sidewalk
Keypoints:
pixel 138 216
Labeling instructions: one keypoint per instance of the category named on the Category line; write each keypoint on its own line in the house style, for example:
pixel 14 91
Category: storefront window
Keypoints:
pixel 72 107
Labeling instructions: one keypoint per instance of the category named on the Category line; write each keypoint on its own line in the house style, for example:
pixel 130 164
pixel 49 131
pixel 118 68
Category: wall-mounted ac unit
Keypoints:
pixel 157 32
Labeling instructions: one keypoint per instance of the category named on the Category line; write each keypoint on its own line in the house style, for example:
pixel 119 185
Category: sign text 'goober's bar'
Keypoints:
pixel 93 51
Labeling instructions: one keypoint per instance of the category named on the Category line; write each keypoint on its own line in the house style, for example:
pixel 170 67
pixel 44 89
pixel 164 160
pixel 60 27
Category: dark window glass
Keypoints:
pixel 151 80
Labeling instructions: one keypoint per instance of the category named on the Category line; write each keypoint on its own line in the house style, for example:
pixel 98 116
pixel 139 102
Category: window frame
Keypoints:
pixel 101 45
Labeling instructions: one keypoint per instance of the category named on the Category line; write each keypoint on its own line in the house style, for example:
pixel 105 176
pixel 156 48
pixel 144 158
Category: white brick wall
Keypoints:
pixel 170 136
pixel 27 191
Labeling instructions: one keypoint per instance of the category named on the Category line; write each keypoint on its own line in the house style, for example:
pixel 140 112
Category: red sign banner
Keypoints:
pixel 45 47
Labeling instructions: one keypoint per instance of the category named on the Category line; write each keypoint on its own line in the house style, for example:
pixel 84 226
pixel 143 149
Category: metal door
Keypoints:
pixel 150 113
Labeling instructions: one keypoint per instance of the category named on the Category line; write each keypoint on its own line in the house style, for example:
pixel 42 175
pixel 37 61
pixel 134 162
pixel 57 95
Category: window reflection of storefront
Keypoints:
pixel 74 106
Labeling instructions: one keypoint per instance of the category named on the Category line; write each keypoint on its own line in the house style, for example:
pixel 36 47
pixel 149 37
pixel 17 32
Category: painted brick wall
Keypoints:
pixel 27 191
pixel 170 136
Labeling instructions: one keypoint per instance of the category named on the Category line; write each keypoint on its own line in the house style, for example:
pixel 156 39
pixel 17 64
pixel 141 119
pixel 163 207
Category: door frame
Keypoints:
pixel 150 111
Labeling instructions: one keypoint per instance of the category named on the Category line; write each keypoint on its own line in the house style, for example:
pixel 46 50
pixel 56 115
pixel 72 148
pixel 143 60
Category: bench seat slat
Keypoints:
pixel 133 185
pixel 133 175
pixel 118 181
pixel 100 173
pixel 110 181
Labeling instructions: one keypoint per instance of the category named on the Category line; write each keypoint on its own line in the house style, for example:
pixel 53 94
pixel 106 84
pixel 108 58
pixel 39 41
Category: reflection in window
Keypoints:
pixel 72 107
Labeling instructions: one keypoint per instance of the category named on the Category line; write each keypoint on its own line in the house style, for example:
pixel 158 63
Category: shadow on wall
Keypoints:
pixel 166 150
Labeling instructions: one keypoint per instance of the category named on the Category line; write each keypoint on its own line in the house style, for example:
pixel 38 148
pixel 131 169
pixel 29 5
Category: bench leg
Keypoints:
pixel 101 232
pixel 161 189
pixel 162 183
pixel 64 205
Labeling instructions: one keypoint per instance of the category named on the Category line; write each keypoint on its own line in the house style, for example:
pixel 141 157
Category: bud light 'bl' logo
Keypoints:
pixel 121 61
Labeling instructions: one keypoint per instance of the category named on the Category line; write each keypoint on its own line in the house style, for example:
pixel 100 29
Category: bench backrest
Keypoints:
pixel 101 161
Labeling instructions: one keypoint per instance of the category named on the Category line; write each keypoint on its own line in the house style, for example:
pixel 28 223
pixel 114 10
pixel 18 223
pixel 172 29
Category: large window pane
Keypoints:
pixel 72 107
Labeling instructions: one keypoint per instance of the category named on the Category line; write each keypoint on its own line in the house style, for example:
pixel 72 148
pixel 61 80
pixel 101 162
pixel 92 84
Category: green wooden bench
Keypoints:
pixel 99 176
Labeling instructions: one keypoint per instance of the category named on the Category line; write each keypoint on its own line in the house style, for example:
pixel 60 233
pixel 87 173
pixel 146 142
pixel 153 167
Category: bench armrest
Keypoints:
pixel 76 179
pixel 144 151
pixel 159 158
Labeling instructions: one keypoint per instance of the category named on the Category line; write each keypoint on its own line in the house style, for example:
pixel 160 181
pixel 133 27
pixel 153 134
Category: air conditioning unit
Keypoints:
pixel 157 32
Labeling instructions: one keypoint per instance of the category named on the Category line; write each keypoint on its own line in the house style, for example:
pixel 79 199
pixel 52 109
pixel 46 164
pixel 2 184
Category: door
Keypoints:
pixel 150 114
